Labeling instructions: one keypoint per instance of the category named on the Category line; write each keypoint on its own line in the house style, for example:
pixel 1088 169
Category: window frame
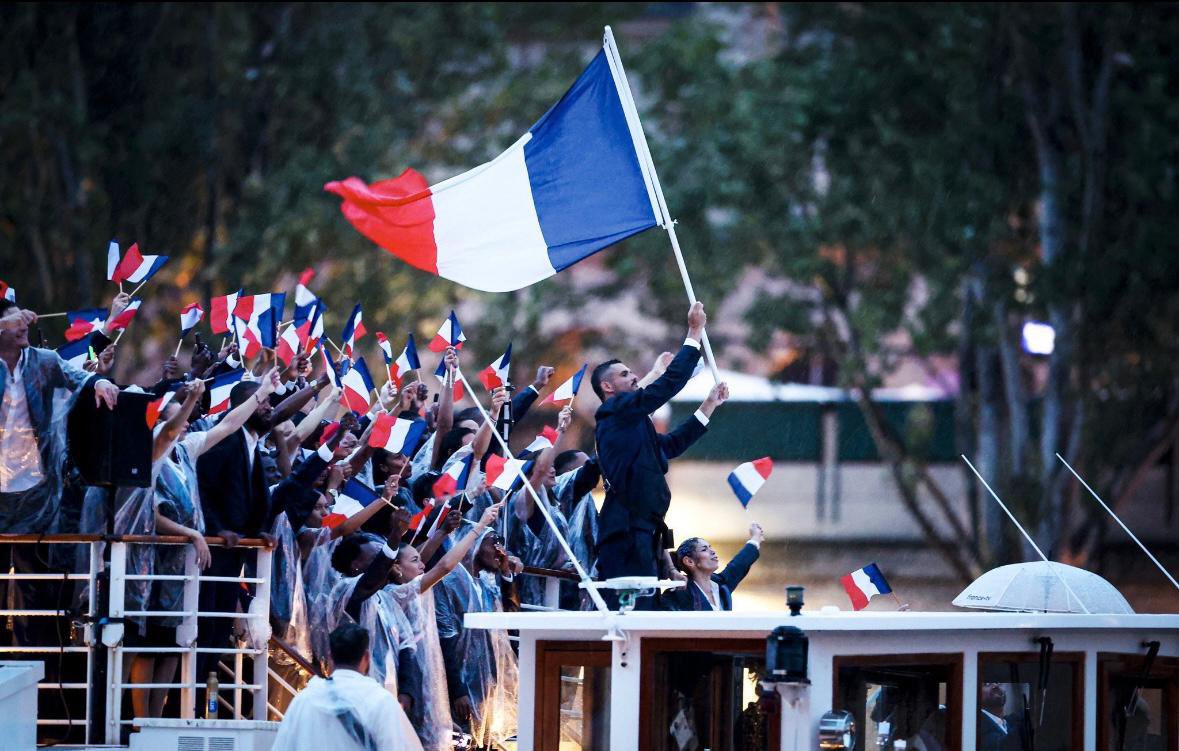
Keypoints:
pixel 954 689
pixel 1136 661
pixel 1076 659
pixel 550 657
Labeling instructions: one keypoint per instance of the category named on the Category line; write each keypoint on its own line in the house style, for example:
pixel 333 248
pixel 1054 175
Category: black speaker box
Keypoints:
pixel 111 447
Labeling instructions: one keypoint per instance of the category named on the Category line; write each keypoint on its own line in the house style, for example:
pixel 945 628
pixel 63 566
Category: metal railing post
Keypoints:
pixel 261 610
pixel 552 593
pixel 186 634
pixel 112 637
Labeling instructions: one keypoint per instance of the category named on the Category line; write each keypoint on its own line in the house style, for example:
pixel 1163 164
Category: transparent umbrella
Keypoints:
pixel 1041 587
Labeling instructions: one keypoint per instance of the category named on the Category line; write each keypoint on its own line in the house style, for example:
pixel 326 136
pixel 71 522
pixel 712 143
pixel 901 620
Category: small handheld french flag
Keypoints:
pixel 112 259
pixel 568 389
pixel 123 319
pixel 135 267
pixel 454 477
pixel 288 345
pixel 545 439
pixel 503 473
pixel 405 362
pixel 75 353
pixel 221 312
pixel 82 322
pixel 357 385
pixel 354 497
pixel 397 435
pixel 219 390
pixel 386 348
pixel 748 478
pixel 863 584
pixel 496 374
pixel 190 316
pixel 450 334
pixel 353 330
pixel 305 299
pixel 440 374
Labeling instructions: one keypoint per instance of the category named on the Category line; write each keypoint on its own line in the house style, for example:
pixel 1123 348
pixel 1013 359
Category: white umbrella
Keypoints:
pixel 1040 587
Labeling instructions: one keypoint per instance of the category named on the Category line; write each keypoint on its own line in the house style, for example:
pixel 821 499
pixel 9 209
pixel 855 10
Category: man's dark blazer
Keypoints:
pixel 992 738
pixel 689 597
pixel 633 456
pixel 232 496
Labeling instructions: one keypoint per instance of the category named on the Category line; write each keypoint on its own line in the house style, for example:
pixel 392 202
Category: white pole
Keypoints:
pixel 544 507
pixel 1024 533
pixel 654 189
pixel 1119 521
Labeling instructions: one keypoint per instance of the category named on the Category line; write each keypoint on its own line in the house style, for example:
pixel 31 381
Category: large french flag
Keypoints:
pixel 748 478
pixel 571 186
pixel 863 584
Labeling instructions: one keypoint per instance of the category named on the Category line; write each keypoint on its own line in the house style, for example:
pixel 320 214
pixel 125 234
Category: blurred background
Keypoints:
pixel 920 230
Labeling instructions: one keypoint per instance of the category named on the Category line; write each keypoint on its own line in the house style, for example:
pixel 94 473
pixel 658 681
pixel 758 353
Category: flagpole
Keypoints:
pixel 178 345
pixel 651 177
pixel 41 316
pixel 139 287
pixel 544 507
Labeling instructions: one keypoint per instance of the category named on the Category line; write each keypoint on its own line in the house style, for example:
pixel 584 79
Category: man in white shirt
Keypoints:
pixel 33 452
pixel 706 589
pixel 348 710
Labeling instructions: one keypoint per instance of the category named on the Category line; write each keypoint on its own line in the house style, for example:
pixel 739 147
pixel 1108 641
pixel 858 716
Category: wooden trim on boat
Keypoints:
pixel 1164 671
pixel 550 656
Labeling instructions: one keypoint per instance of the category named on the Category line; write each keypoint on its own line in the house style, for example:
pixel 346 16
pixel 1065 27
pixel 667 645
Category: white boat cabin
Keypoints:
pixel 931 681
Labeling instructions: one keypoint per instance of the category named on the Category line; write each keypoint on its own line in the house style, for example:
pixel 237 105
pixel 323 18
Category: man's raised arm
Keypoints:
pixel 679 371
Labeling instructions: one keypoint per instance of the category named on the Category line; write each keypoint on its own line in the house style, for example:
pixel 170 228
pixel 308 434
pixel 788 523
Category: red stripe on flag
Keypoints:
pixel 858 600
pixel 397 214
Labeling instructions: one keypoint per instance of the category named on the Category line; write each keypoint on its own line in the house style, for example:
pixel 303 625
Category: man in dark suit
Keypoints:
pixel 997 732
pixel 706 589
pixel 633 457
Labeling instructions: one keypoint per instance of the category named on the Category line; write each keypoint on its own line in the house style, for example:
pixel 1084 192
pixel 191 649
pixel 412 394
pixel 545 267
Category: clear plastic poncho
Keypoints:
pixel 295 583
pixel 389 630
pixel 487 666
pixel 542 549
pixel 430 712
pixel 582 535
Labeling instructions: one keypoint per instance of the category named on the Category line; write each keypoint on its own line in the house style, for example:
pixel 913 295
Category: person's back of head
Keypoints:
pixel 423 487
pixel 242 391
pixel 349 647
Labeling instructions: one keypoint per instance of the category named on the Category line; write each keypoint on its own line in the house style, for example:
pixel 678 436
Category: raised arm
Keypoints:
pixel 455 555
pixel 689 431
pixel 526 397
pixel 357 520
pixel 296 401
pixel 524 506
pixel 318 414
pixel 444 419
pixel 679 371
pixel 172 427
pixel 237 416
pixel 443 530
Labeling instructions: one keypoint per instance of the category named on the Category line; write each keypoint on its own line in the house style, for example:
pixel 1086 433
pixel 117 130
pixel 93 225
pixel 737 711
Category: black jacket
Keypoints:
pixel 633 456
pixel 232 496
pixel 690 597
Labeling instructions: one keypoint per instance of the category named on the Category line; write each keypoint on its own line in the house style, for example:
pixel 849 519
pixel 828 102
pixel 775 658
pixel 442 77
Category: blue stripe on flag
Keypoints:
pixel 741 491
pixel 586 181
pixel 877 578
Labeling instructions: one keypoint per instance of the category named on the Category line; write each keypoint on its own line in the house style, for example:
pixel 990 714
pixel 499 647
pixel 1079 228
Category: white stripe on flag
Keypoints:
pixel 486 229
pixel 864 583
pixel 749 477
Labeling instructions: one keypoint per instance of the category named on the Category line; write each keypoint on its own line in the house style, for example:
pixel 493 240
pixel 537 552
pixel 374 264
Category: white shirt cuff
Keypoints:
pixel 690 342
pixel 754 543
pixel 326 453
pixel 535 389
pixel 703 418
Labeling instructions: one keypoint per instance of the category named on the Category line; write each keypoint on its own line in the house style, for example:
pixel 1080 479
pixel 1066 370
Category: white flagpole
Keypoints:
pixel 543 507
pixel 1133 537
pixel 651 177
pixel 1024 532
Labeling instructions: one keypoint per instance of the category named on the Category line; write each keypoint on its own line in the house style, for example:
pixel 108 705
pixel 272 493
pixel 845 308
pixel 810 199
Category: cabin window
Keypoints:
pixel 1022 706
pixel 911 698
pixel 573 696
pixel 705 699
pixel 1137 712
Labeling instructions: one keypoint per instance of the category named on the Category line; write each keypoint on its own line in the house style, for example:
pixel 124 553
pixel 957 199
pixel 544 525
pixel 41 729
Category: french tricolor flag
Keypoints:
pixel 219 390
pixel 123 319
pixel 82 322
pixel 353 498
pixel 568 389
pixel 455 475
pixel 405 362
pixel 75 353
pixel 496 374
pixel 353 330
pixel 503 473
pixel 397 435
pixel 190 316
pixel 357 385
pixel 571 186
pixel 156 408
pixel 221 313
pixel 450 334
pixel 112 259
pixel 863 584
pixel 288 345
pixel 311 330
pixel 440 374
pixel 305 299
pixel 386 348
pixel 546 439
pixel 333 373
pixel 136 267
pixel 748 478
pixel 7 292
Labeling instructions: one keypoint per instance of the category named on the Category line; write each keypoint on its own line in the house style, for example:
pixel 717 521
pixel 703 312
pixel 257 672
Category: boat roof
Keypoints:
pixel 585 623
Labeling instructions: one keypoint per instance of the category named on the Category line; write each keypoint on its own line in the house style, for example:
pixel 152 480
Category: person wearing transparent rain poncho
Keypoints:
pixel 170 506
pixel 424 694
pixel 481 671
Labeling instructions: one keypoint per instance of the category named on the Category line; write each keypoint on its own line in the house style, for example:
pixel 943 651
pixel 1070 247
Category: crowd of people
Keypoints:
pixel 401 543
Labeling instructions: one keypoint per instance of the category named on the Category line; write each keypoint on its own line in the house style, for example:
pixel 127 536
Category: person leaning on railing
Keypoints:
pixel 171 506
pixel 33 450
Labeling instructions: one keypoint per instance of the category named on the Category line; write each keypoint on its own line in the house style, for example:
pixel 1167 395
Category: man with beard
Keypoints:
pixel 633 456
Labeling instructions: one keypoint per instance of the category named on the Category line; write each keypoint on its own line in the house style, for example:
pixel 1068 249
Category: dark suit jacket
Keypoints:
pixel 992 738
pixel 691 598
pixel 633 456
pixel 232 496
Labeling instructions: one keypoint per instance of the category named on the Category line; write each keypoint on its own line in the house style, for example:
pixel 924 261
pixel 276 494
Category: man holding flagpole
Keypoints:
pixel 634 457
